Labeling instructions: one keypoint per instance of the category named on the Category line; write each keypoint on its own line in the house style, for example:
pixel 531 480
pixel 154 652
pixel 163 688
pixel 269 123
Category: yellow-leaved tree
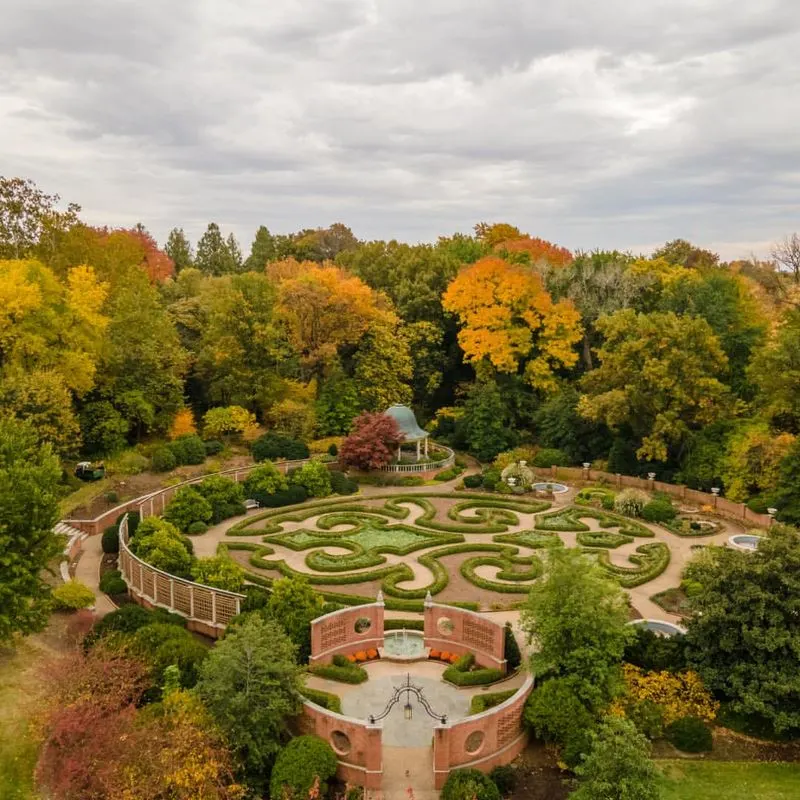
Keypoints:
pixel 508 318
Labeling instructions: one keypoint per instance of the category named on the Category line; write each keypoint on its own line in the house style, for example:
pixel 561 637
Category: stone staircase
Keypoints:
pixel 73 535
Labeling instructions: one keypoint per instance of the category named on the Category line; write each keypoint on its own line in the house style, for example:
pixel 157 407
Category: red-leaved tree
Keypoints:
pixel 371 443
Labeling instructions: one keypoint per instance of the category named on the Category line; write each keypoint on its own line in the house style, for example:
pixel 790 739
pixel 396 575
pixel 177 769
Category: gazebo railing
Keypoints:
pixel 424 466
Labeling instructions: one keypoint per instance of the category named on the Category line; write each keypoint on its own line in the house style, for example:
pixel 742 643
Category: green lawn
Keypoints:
pixel 715 780
pixel 17 750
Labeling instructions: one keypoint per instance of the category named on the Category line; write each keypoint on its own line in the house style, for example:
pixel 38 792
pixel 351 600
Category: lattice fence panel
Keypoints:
pixel 202 604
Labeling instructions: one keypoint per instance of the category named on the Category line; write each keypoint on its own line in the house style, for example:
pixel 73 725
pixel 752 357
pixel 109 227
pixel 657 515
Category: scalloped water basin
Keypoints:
pixel 659 626
pixel 745 541
pixel 403 646
pixel 555 488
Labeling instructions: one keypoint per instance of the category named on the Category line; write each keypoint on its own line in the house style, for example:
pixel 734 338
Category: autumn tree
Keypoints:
pixel 324 308
pixel 658 375
pixel 183 424
pixel 775 372
pixel 30 219
pixel 179 249
pixel 383 366
pixel 29 476
pixel 509 319
pixel 682 253
pixel 372 442
pixel 497 233
pixel 156 263
pixel 534 251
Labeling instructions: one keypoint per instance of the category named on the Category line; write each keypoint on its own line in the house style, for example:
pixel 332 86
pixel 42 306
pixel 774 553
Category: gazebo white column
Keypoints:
pixel 419 454
pixel 426 447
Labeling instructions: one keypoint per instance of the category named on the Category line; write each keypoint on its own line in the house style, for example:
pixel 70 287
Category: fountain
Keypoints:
pixel 551 488
pixel 403 645
pixel 745 541
pixel 659 626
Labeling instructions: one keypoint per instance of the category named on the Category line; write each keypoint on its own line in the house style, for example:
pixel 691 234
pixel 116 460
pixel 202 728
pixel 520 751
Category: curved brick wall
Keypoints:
pixel 471 633
pixel 357 744
pixel 482 741
pixel 336 632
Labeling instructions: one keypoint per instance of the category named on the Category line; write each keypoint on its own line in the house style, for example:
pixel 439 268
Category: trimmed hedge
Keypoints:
pixel 112 583
pixel 569 519
pixel 110 540
pixel 351 673
pixel 272 446
pixel 659 511
pixel 483 702
pixel 469 784
pixel 689 734
pixel 604 539
pixel 327 700
pixel 404 624
pixel 465 673
pixel 651 560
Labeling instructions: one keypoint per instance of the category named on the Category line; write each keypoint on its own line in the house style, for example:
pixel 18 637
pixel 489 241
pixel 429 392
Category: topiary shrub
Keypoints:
pixel 298 767
pixel 490 478
pixel 188 449
pixel 473 481
pixel 333 450
pixel 213 447
pixel 197 528
pixel 112 583
pixel 272 446
pixel 187 507
pixel 341 484
pixel 550 457
pixel 286 497
pixel 631 502
pixel 689 734
pixel 449 473
pixel 412 480
pixel 225 496
pixel 504 778
pixel 314 477
pixel 659 511
pixel 469 784
pixel 512 652
pixel 72 595
pixel 163 460
pixel 110 540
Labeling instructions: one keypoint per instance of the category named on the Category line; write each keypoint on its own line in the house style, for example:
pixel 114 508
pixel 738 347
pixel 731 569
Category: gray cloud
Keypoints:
pixel 610 124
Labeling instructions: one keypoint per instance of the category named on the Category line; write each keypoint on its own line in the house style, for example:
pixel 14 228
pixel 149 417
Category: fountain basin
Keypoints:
pixel 555 488
pixel 745 541
pixel 659 626
pixel 403 645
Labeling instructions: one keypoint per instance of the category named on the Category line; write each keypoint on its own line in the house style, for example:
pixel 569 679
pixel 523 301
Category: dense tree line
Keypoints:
pixel 675 363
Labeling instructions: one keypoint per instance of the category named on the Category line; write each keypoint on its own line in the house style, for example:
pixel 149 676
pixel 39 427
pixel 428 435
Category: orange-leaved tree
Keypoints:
pixel 324 308
pixel 534 250
pixel 509 318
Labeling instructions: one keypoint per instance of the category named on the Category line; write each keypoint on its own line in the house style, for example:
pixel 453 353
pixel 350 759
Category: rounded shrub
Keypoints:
pixel 490 478
pixel 504 778
pixel 473 481
pixel 631 502
pixel 412 480
pixel 550 457
pixel 196 528
pixel 72 595
pixel 110 540
pixel 659 511
pixel 188 449
pixel 299 765
pixel 469 784
pixel 272 446
pixel 163 460
pixel 213 447
pixel 689 734
pixel 285 497
pixel 333 450
pixel 112 583
pixel 341 484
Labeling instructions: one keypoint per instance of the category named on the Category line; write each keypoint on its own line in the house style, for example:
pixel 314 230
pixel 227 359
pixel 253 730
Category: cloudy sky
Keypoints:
pixel 620 123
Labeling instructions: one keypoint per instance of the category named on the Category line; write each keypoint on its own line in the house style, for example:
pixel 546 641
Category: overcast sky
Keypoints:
pixel 593 123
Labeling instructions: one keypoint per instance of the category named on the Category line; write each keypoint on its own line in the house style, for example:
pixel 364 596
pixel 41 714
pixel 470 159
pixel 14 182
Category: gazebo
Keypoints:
pixel 410 430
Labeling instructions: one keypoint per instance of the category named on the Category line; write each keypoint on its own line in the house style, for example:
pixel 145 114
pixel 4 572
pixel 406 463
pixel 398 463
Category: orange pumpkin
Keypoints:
pixel 361 656
pixel 372 653
pixel 434 654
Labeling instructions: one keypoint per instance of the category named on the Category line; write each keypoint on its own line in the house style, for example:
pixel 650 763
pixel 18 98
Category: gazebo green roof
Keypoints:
pixel 407 422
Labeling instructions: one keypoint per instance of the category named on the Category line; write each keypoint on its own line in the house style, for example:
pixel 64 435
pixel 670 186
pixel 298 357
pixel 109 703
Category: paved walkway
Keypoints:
pixel 87 571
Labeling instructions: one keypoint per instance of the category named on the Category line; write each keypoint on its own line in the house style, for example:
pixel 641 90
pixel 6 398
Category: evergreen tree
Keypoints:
pixel 214 254
pixel 179 249
pixel 485 421
pixel 235 252
pixel 261 251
